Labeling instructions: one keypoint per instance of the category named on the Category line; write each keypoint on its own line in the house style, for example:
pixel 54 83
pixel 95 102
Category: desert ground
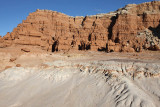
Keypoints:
pixel 52 59
pixel 79 79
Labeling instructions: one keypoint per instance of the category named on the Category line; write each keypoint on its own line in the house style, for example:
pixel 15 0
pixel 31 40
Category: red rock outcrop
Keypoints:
pixel 132 20
pixel 116 31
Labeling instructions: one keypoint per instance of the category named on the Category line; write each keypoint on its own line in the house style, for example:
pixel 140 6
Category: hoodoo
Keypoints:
pixel 76 74
pixel 130 29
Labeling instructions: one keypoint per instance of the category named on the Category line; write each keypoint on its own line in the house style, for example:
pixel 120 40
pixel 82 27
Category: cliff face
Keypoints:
pixel 126 30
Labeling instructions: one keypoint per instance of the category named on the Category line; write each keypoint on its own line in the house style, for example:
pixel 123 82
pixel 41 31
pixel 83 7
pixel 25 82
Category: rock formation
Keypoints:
pixel 119 31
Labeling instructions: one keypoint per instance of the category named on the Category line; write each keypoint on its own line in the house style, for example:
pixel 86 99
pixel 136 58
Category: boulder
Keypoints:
pixel 18 65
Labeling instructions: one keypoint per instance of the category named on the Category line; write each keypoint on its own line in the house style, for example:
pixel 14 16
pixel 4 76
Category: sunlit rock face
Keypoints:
pixel 116 31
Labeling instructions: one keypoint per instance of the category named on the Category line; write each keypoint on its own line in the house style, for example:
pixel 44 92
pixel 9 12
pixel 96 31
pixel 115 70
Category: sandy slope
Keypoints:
pixel 79 80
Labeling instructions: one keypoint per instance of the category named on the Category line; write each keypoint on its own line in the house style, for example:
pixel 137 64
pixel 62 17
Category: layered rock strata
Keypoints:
pixel 116 31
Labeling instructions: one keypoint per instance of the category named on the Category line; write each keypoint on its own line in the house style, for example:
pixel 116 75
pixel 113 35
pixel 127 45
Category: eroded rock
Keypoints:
pixel 116 31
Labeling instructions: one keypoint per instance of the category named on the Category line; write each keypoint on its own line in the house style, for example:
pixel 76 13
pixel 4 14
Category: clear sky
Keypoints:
pixel 12 12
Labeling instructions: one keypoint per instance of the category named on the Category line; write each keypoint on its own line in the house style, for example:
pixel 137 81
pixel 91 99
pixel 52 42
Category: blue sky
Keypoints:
pixel 12 12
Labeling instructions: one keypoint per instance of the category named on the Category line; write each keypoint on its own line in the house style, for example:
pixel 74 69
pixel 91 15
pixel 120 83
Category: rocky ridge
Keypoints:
pixel 116 31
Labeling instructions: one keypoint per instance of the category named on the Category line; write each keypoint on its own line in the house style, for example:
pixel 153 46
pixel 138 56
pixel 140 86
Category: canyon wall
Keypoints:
pixel 129 29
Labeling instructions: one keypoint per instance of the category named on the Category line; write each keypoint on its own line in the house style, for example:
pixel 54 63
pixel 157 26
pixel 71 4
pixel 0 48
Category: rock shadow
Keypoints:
pixel 155 31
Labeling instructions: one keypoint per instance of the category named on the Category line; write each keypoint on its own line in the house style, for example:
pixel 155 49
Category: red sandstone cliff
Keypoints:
pixel 129 29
